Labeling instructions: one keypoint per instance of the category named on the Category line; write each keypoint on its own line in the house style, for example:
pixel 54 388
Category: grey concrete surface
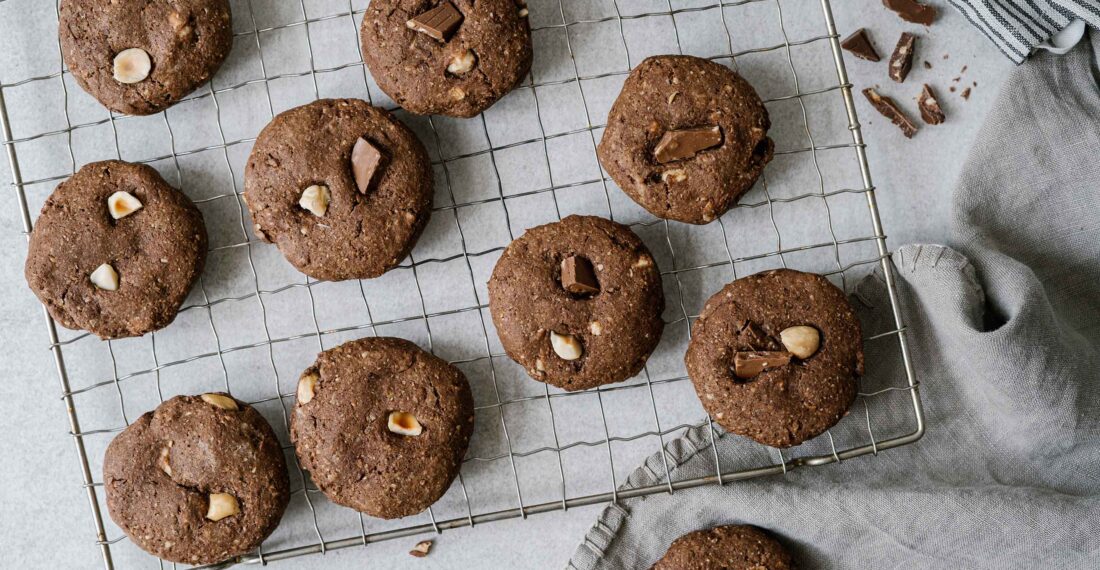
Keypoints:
pixel 47 522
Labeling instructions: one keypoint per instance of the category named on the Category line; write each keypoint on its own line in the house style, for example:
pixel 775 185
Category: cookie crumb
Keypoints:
pixel 422 548
pixel 966 93
pixel 927 65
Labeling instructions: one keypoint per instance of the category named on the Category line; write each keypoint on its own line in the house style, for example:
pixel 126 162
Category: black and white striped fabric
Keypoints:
pixel 1017 27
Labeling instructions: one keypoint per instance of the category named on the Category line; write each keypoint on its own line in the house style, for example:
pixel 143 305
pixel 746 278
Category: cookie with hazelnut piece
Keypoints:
pixel 343 188
pixel 776 356
pixel 382 426
pixel 139 57
pixel 731 547
pixel 578 302
pixel 115 250
pixel 447 57
pixel 198 480
pixel 686 138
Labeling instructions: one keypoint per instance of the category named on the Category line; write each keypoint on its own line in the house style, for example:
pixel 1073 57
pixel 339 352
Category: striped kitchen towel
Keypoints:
pixel 1017 27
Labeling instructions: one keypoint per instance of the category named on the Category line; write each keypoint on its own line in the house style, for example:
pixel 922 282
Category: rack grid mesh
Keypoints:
pixel 535 447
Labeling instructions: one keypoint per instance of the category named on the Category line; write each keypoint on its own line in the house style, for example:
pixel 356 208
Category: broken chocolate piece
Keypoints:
pixel 890 110
pixel 686 143
pixel 912 11
pixel 902 59
pixel 750 364
pixel 930 109
pixel 577 276
pixel 860 45
pixel 439 22
pixel 366 163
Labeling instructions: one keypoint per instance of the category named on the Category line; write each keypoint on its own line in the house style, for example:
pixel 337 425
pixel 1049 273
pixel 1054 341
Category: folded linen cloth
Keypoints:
pixel 1017 27
pixel 1005 331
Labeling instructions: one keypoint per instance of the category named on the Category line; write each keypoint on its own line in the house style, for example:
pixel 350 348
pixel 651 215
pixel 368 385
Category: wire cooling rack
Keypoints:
pixel 252 324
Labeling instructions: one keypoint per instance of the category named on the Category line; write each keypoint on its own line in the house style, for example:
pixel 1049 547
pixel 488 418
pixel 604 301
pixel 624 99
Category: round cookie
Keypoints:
pixel 157 252
pixel 360 233
pixel 786 403
pixel 184 42
pixel 686 138
pixel 474 64
pixel 733 547
pixel 613 326
pixel 195 459
pixel 351 425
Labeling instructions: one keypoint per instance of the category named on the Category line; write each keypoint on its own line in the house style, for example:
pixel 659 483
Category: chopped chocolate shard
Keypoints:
pixel 902 59
pixel 930 109
pixel 912 11
pixel 578 277
pixel 860 45
pixel 748 365
pixel 366 163
pixel 966 93
pixel 421 549
pixel 439 22
pixel 890 110
pixel 686 143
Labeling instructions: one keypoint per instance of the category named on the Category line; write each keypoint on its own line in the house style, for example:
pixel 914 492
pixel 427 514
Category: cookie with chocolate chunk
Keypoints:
pixel 139 57
pixel 776 356
pixel 448 57
pixel 115 250
pixel 686 138
pixel 342 188
pixel 578 302
pixel 732 547
pixel 199 480
pixel 382 426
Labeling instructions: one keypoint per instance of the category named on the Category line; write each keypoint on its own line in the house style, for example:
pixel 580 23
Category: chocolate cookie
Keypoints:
pixel 686 138
pixel 115 250
pixel 733 547
pixel 382 425
pixel 199 480
pixel 454 57
pixel 776 356
pixel 342 188
pixel 140 56
pixel 578 303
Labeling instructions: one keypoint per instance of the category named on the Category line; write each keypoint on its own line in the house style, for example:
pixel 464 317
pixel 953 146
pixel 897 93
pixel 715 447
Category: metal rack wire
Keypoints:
pixel 506 400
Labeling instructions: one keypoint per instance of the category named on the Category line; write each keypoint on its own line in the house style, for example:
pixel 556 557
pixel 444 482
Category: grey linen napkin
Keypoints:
pixel 1005 330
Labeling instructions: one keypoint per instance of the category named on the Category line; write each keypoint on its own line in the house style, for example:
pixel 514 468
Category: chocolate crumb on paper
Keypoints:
pixel 859 45
pixel 930 110
pixel 912 11
pixel 901 61
pixel 886 106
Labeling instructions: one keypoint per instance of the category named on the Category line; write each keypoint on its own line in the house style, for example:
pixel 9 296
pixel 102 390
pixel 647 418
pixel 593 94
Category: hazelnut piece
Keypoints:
pixel 307 387
pixel 222 505
pixel 315 199
pixel 565 346
pixel 801 341
pixel 132 66
pixel 462 63
pixel 404 423
pixel 105 277
pixel 220 401
pixel 122 204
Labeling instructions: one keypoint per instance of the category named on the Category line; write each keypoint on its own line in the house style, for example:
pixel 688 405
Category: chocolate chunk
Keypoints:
pixel 890 110
pixel 686 143
pixel 750 364
pixel 912 11
pixel 902 59
pixel 860 45
pixel 366 162
pixel 439 22
pixel 577 276
pixel 930 109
